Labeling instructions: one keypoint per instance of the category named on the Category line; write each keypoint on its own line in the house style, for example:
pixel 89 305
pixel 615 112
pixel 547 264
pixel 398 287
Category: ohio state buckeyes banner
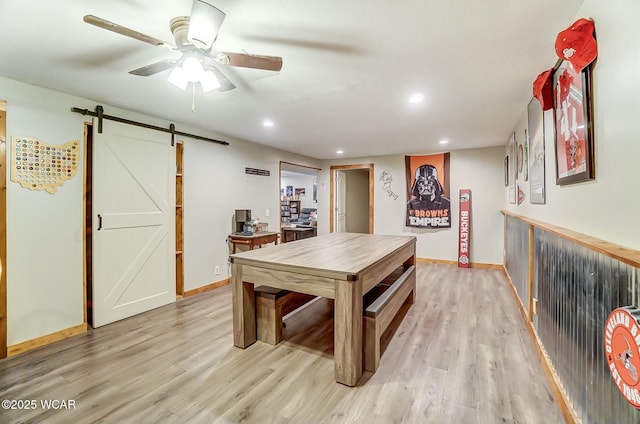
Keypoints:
pixel 464 233
pixel 428 204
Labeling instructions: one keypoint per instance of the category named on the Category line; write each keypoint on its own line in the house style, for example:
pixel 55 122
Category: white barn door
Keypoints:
pixel 133 221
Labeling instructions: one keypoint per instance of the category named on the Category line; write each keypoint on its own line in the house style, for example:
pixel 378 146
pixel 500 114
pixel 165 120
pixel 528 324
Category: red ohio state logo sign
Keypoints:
pixel 622 349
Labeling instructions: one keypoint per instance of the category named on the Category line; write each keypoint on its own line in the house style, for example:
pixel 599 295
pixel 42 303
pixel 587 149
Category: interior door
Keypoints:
pixel 133 221
pixel 341 200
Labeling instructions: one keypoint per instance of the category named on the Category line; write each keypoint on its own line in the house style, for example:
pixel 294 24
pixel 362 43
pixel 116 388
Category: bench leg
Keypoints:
pixel 371 345
pixel 374 327
pixel 269 320
pixel 411 298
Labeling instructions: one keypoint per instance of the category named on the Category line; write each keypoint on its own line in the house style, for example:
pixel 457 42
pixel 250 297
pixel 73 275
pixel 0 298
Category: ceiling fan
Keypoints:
pixel 194 36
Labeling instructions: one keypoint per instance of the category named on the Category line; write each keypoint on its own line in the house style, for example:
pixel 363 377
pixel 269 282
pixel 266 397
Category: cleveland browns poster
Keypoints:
pixel 428 204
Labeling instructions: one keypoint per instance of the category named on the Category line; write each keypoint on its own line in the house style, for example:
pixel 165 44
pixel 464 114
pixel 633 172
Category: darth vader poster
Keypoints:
pixel 428 204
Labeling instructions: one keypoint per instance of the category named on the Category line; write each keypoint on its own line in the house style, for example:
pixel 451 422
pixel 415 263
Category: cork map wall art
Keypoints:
pixel 39 166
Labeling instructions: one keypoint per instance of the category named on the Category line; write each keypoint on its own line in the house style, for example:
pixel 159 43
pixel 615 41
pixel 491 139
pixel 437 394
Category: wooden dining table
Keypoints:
pixel 339 266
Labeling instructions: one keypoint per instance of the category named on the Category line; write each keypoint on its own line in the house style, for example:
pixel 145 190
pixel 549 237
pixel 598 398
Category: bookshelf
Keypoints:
pixel 289 209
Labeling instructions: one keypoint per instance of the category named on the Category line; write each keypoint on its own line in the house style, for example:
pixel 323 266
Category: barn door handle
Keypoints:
pixel 99 222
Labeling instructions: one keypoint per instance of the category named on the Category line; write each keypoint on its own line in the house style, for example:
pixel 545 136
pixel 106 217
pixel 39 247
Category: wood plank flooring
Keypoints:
pixel 461 355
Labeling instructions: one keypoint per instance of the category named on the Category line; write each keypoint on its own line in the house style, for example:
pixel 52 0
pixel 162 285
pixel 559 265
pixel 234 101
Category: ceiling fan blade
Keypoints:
pixel 243 60
pixel 154 68
pixel 110 26
pixel 204 24
pixel 225 84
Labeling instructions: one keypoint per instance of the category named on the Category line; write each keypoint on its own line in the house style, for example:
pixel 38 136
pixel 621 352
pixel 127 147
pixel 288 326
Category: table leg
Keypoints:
pixel 408 263
pixel 244 310
pixel 347 345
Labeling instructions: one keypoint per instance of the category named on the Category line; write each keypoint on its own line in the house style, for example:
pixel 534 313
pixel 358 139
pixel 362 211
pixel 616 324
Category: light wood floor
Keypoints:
pixel 461 355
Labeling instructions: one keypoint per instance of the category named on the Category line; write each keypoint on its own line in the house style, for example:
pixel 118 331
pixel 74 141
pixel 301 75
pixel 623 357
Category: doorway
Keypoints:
pixel 298 191
pixel 88 238
pixel 351 198
pixel 3 229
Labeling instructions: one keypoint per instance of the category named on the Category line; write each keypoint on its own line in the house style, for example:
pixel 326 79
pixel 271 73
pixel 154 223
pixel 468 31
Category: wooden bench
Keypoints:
pixel 380 313
pixel 271 305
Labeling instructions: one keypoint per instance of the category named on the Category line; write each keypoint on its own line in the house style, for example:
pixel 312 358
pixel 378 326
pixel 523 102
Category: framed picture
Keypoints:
pixel 572 111
pixel 520 155
pixel 525 156
pixel 535 125
pixel 506 171
pixel 512 164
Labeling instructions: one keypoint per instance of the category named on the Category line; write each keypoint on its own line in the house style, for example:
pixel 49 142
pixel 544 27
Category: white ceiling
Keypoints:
pixel 349 67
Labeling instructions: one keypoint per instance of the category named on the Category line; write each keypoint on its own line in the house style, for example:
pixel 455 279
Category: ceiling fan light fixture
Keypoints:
pixel 193 37
pixel 205 22
pixel 178 77
pixel 193 68
pixel 209 82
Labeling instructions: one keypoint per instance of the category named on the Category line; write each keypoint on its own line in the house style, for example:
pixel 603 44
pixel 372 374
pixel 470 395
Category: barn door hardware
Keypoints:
pixel 99 113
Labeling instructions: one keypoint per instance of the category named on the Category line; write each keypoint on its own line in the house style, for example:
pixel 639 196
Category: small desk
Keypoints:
pixel 297 233
pixel 339 266
pixel 252 240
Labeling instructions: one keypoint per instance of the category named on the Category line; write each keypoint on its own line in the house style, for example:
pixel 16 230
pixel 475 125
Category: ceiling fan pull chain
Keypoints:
pixel 193 98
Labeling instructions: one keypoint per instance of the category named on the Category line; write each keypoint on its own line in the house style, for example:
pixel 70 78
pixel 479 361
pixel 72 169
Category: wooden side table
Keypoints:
pixel 253 240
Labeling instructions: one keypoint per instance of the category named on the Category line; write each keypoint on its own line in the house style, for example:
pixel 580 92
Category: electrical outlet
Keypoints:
pixel 217 270
pixel 266 212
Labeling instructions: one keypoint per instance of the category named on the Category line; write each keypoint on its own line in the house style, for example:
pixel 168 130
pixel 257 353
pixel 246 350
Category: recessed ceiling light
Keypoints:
pixel 267 123
pixel 444 141
pixel 339 152
pixel 416 98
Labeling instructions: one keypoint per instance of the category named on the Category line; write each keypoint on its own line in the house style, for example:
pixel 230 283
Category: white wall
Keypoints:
pixel 215 186
pixel 45 232
pixel 479 170
pixel 607 207
pixel 301 181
